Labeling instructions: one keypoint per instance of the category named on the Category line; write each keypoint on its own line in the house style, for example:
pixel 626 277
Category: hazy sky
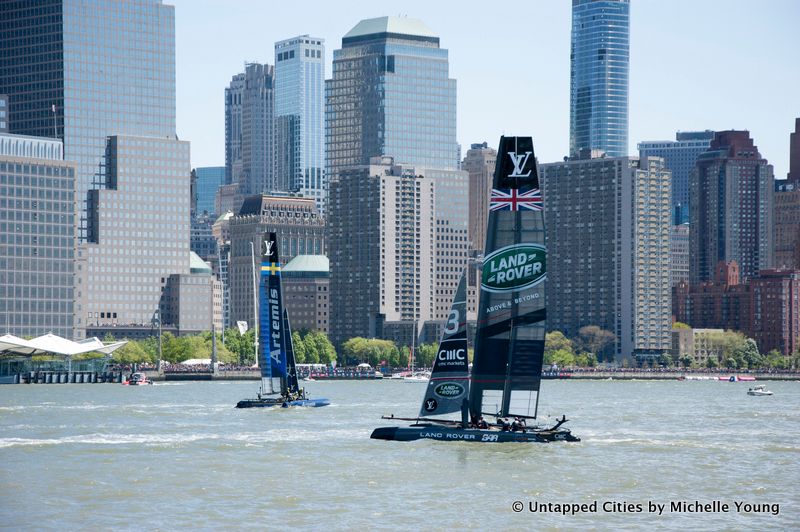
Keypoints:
pixel 695 64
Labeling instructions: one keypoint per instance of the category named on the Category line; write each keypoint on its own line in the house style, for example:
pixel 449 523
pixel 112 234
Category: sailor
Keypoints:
pixel 506 426
pixel 482 424
pixel 515 425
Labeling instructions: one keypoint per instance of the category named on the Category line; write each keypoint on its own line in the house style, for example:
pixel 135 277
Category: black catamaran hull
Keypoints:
pixel 440 433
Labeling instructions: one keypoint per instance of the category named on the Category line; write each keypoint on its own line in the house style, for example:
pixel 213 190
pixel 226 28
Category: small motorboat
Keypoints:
pixel 418 377
pixel 137 379
pixel 759 390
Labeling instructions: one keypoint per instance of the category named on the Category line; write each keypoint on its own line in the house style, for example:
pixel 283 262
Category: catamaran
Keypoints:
pixel 509 344
pixel 279 386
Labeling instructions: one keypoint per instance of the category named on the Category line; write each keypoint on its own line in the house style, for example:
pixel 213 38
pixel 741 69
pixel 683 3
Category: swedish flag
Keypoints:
pixel 274 268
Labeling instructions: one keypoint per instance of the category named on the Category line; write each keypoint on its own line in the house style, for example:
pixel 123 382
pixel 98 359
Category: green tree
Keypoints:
pixel 299 348
pixel 686 361
pixel 747 354
pixel 319 350
pixel 680 325
pixel 712 363
pixel 585 360
pixel 131 353
pixel 424 355
pixel 665 360
pixel 560 357
pixel 404 355
pixel 776 360
pixel 555 341
pixel 241 345
pixel 355 350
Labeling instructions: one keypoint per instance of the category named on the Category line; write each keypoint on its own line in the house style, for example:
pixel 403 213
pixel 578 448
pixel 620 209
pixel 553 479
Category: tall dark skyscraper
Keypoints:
pixel 391 94
pixel 88 70
pixel 599 61
pixel 731 217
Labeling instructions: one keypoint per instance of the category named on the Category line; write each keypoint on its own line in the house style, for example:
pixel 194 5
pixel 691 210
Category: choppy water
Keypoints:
pixel 175 456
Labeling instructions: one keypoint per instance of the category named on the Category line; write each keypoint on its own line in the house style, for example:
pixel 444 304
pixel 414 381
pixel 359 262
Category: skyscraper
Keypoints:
pixel 679 157
pixel 102 73
pixel 233 129
pixel 731 208
pixel 390 94
pixel 93 68
pixel 300 117
pixel 599 62
pixel 138 232
pixel 209 179
pixel 794 152
pixel 607 223
pixel 258 148
pixel 37 240
pixel 479 164
pixel 787 209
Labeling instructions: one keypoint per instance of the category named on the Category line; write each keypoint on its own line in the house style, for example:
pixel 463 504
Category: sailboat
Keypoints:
pixel 279 386
pixel 509 342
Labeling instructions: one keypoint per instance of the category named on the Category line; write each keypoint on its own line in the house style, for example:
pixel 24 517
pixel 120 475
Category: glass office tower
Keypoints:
pixel 599 62
pixel 86 69
pixel 300 116
pixel 391 95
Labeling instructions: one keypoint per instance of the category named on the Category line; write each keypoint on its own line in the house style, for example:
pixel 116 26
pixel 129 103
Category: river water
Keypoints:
pixel 179 456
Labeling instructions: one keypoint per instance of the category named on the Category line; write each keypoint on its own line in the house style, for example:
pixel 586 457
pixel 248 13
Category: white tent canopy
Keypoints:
pixel 50 343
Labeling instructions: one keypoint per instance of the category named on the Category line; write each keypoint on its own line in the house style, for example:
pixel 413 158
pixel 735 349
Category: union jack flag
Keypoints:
pixel 514 200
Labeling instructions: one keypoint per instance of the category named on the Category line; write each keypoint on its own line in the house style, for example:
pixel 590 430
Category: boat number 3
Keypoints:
pixel 489 437
pixel 452 322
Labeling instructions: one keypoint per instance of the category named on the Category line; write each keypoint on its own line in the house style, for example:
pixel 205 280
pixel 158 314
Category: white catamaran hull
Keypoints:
pixel 441 433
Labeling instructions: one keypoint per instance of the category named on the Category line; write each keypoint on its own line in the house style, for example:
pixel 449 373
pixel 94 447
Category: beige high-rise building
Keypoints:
pixel 479 164
pixel 137 233
pixel 608 229
pixel 300 230
pixel 398 244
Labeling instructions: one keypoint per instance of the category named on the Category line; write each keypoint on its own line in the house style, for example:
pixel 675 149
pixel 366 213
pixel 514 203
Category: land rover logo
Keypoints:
pixel 449 390
pixel 514 267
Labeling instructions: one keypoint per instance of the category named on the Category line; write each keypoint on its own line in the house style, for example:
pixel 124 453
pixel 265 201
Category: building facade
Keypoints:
pixel 98 69
pixel 300 230
pixel 794 153
pixel 390 94
pixel 258 131
pixel 599 64
pixel 192 302
pixel 679 157
pixel 678 254
pixel 787 225
pixel 479 164
pixel 398 246
pixel 731 208
pixel 137 232
pixel 37 241
pixel 300 117
pixel 208 180
pixel 3 113
pixel 607 223
pixel 234 93
pixel 776 311
pixel 381 240
pixel 305 283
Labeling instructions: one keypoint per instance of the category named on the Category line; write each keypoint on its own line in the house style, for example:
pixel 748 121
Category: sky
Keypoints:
pixel 695 65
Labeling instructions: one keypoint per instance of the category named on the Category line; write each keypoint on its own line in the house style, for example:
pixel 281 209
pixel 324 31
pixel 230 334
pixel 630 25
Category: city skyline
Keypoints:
pixel 678 51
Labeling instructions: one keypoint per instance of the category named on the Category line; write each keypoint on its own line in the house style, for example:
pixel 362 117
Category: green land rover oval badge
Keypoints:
pixel 449 389
pixel 514 267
